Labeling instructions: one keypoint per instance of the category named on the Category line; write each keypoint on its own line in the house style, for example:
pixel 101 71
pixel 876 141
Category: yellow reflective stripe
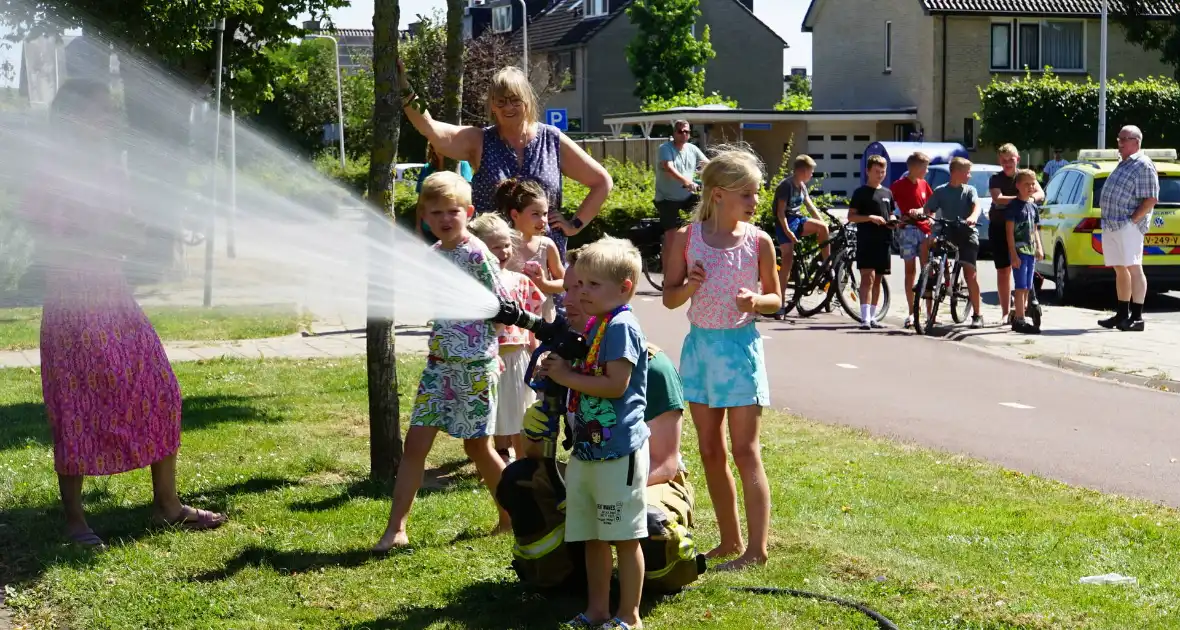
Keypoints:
pixel 686 551
pixel 541 547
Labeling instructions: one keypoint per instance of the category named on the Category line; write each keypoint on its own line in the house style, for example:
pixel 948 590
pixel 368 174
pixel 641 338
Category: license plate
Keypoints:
pixel 1162 240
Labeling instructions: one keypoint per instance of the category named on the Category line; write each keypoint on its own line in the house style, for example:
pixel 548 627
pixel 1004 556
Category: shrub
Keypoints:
pixel 354 176
pixel 687 99
pixel 1048 111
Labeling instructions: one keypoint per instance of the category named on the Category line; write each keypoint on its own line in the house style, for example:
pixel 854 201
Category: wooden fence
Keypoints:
pixel 636 150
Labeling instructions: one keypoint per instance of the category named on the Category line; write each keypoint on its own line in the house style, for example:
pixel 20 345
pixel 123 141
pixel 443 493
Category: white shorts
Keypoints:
pixel 1122 247
pixel 601 505
pixel 515 396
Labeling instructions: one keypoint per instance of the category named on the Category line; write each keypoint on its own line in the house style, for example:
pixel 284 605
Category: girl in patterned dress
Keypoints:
pixel 458 390
pixel 726 266
pixel 111 397
pixel 535 254
pixel 516 344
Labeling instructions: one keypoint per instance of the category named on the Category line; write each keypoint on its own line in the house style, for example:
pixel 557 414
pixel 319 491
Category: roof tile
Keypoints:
pixel 1041 7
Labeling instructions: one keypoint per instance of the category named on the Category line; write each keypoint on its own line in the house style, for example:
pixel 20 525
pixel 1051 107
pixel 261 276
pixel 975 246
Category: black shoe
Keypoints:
pixel 1131 325
pixel 1112 322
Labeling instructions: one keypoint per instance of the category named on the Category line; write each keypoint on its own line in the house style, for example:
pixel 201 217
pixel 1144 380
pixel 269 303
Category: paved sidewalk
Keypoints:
pixel 332 343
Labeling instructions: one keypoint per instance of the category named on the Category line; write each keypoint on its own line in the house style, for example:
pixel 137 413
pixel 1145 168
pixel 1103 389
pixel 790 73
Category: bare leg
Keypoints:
pixel 490 468
pixel 710 426
pixel 1122 283
pixel 1004 289
pixel 1138 284
pixel 747 454
pixel 911 277
pixel 517 445
pixel 419 440
pixel 166 501
pixel 784 272
pixel 1021 296
pixel 630 580
pixel 973 288
pixel 70 487
pixel 599 563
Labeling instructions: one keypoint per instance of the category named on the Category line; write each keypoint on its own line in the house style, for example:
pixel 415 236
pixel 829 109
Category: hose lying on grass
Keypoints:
pixel 882 621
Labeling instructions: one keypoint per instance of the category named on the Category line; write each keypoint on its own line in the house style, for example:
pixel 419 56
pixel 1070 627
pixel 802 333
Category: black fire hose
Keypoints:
pixel 571 346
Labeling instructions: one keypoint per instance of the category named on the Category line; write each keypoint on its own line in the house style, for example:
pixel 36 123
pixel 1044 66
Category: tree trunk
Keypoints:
pixel 453 81
pixel 385 443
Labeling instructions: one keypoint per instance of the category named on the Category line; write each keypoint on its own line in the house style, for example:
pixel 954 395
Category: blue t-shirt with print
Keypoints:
pixel 604 428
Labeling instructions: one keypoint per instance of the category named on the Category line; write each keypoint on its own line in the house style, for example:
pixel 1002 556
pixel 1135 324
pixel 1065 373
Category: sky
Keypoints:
pixel 784 16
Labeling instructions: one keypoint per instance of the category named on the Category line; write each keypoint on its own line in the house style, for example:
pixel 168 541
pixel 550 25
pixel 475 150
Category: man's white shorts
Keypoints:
pixel 1122 247
pixel 607 500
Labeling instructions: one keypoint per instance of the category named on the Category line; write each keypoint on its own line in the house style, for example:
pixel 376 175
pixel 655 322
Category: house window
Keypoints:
pixel 1059 44
pixel 969 133
pixel 888 46
pixel 595 8
pixel 502 19
pixel 562 66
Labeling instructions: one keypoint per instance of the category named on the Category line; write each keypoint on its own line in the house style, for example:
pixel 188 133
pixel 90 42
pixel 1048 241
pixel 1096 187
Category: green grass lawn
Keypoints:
pixel 931 540
pixel 20 328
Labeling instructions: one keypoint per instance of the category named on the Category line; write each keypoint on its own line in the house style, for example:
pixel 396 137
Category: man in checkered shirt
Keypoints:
pixel 1128 197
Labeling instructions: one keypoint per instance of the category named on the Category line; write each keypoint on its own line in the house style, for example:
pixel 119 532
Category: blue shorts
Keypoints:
pixel 724 367
pixel 909 241
pixel 794 224
pixel 1023 277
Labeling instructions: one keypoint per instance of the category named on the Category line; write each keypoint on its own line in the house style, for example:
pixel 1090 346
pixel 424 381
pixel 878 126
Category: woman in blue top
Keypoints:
pixel 434 163
pixel 515 146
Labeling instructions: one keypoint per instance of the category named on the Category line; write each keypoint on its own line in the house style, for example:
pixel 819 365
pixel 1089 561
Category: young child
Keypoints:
pixel 726 266
pixel 516 344
pixel 790 200
pixel 607 475
pixel 958 200
pixel 871 208
pixel 1024 245
pixel 457 392
pixel 525 205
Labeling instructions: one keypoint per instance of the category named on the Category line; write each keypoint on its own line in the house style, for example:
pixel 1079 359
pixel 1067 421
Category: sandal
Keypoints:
pixel 88 539
pixel 193 519
pixel 582 621
pixel 619 624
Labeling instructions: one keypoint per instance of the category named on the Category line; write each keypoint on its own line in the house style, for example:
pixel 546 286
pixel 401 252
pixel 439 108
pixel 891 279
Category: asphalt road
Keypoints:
pixel 1027 417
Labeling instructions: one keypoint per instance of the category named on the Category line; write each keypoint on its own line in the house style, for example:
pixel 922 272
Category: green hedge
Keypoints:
pixel 1043 111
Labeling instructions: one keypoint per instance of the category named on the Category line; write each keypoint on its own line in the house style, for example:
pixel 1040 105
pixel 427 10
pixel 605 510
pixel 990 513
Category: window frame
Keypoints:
pixel 888 46
pixel 555 65
pixel 1012 27
pixel 501 10
pixel 595 8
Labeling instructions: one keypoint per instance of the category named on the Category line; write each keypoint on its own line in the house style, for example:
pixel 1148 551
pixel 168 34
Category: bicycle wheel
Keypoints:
pixel 847 285
pixel 961 309
pixel 919 304
pixel 818 292
pixel 1034 308
pixel 940 291
pixel 653 267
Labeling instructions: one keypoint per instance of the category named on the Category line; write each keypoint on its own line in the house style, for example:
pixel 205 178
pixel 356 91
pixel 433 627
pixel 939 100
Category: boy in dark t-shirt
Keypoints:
pixel 871 209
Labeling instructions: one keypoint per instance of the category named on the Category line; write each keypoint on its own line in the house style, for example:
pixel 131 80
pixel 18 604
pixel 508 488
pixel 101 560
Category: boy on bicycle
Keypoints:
pixel 790 200
pixel 958 201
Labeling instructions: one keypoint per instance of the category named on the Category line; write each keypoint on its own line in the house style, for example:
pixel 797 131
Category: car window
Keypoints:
pixel 1169 189
pixel 1053 191
pixel 979 181
pixel 937 177
pixel 1069 188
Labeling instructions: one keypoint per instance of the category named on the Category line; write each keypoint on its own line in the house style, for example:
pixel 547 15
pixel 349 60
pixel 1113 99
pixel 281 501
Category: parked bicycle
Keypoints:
pixel 648 238
pixel 813 282
pixel 942 277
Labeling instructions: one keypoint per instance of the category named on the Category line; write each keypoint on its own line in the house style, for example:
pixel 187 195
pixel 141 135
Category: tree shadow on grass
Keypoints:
pixel 440 479
pixel 24 424
pixel 32 538
pixel 492 605
pixel 289 562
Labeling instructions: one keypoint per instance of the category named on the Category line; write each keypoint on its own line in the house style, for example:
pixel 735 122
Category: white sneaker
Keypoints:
pixel 909 321
pixel 866 325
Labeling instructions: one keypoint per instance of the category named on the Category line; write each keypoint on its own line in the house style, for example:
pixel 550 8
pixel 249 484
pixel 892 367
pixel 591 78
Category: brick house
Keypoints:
pixel 933 55
pixel 588 39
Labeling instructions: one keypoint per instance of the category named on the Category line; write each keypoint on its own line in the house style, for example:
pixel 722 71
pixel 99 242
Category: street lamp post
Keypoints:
pixel 524 33
pixel 212 220
pixel 1102 80
pixel 339 93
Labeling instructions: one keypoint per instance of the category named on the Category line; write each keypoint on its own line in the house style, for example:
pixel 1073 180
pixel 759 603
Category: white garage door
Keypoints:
pixel 837 152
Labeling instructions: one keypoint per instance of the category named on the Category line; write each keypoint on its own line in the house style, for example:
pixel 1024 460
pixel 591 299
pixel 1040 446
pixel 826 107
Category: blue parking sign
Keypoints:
pixel 558 118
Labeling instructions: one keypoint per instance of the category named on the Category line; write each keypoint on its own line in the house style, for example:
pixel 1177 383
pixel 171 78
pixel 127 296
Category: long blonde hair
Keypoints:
pixel 732 167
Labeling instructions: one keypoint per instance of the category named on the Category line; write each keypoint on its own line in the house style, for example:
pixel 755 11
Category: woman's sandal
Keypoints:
pixel 619 624
pixel 88 539
pixel 581 621
pixel 194 519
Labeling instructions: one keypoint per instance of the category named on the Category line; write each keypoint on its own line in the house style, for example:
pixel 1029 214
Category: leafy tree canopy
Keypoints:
pixel 665 57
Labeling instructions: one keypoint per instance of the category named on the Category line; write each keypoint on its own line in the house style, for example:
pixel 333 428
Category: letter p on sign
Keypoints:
pixel 557 118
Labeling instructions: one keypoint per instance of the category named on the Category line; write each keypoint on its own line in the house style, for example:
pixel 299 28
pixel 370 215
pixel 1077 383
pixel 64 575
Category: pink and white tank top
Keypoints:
pixel 714 305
